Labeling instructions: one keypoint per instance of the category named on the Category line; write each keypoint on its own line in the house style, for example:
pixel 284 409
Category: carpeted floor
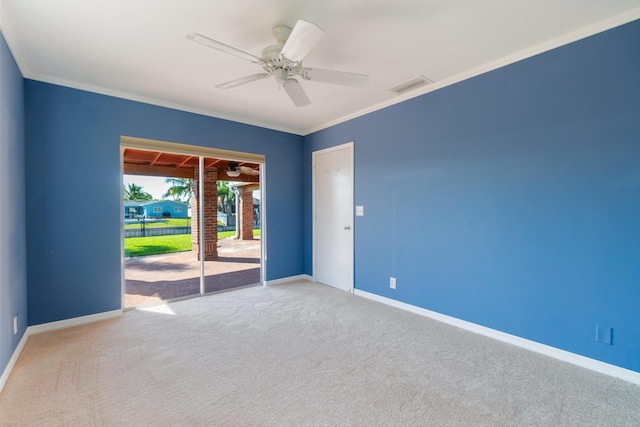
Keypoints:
pixel 298 354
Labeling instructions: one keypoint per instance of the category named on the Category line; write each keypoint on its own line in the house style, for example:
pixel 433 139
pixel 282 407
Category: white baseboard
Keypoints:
pixel 76 321
pixel 556 353
pixel 51 326
pixel 14 358
pixel 289 279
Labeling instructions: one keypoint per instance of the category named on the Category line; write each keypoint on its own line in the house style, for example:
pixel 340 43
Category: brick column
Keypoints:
pixel 245 216
pixel 209 212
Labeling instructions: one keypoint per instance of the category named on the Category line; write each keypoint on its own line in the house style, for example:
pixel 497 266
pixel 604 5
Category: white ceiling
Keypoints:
pixel 138 49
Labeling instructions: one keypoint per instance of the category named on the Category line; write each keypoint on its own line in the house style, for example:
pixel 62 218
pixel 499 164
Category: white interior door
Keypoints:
pixel 333 216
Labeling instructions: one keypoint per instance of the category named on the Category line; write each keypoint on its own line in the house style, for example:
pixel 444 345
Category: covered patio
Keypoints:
pixel 156 278
pixel 228 263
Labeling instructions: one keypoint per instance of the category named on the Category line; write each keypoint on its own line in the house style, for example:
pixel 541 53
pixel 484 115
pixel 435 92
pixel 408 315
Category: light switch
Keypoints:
pixel 359 210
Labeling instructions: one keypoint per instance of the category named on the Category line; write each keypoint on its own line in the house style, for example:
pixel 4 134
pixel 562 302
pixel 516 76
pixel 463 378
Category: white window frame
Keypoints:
pixel 201 152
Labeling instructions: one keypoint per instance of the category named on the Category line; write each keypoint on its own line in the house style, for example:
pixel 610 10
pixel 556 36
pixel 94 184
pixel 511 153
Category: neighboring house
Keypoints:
pixel 256 213
pixel 165 209
pixel 156 209
pixel 132 209
pixel 222 217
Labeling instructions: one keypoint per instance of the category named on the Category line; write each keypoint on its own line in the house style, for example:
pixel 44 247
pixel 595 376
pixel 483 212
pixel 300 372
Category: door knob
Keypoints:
pixel 347 228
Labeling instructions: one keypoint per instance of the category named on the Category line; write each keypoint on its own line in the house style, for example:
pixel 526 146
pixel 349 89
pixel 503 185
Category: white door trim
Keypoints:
pixel 263 223
pixel 350 147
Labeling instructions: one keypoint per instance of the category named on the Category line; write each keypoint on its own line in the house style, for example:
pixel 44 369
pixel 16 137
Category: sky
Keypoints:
pixel 153 185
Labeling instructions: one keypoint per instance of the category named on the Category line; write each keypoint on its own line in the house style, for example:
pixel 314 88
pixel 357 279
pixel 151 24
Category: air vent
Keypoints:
pixel 411 84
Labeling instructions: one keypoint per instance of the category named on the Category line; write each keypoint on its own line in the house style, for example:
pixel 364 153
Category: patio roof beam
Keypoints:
pixel 172 172
pixel 185 161
pixel 156 159
pixel 133 169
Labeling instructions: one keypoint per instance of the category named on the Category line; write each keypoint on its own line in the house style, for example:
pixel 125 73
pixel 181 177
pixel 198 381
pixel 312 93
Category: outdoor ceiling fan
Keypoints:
pixel 283 61
pixel 234 170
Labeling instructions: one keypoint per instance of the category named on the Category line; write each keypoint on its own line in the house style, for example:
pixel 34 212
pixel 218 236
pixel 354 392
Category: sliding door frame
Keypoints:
pixel 201 152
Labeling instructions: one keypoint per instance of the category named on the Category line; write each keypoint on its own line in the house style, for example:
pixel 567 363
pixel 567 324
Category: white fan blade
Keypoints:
pixel 335 77
pixel 296 93
pixel 224 48
pixel 248 171
pixel 243 80
pixel 304 36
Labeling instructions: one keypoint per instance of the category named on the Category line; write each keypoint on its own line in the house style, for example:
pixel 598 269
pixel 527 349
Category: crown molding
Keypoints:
pixel 546 46
pixel 590 30
pixel 157 102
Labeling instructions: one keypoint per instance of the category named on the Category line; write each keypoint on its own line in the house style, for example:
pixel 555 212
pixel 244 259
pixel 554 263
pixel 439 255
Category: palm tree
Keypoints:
pixel 226 198
pixel 180 189
pixel 135 192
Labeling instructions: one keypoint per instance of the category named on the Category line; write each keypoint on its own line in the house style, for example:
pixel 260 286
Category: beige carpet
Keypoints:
pixel 298 354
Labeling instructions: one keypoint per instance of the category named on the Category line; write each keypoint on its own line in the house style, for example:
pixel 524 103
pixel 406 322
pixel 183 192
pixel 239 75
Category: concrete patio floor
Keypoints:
pixel 157 278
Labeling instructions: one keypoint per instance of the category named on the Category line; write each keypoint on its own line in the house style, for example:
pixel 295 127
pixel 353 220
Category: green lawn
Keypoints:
pixel 141 246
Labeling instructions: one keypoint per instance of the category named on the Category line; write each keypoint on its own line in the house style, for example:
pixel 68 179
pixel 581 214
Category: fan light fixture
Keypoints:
pixel 233 170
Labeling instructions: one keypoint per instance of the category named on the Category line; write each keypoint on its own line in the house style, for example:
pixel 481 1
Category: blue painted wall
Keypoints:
pixel 13 273
pixel 73 148
pixel 510 200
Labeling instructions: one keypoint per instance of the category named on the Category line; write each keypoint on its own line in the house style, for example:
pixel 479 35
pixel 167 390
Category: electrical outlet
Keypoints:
pixel 15 325
pixel 392 282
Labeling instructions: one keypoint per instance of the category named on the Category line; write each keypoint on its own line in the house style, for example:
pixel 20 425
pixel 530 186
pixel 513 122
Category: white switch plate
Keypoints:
pixel 359 210
pixel 15 325
pixel 392 282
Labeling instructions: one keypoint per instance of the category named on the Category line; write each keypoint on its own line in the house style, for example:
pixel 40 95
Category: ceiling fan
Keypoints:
pixel 283 61
pixel 234 170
